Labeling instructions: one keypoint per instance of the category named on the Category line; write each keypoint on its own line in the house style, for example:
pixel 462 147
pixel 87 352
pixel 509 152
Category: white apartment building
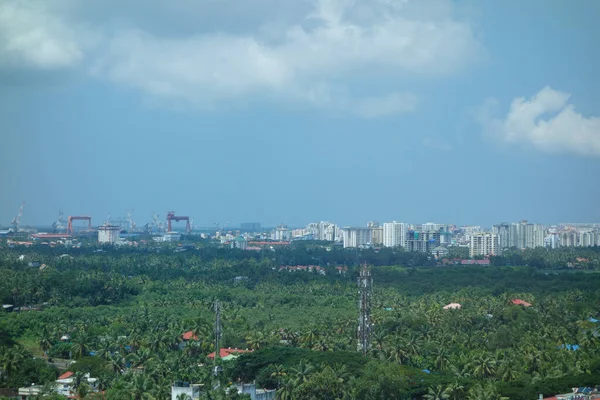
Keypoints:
pixel 357 237
pixel 108 234
pixel 484 244
pixel 394 234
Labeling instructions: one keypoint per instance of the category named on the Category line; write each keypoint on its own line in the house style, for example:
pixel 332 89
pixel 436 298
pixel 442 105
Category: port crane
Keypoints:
pixel 172 217
pixel 78 218
pixel 16 222
pixel 59 225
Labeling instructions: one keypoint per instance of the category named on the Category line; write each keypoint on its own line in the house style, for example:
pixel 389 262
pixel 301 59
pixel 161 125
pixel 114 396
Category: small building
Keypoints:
pixel 520 302
pixel 189 335
pixel 452 306
pixel 171 237
pixel 239 243
pixel 229 353
pixel 64 384
pixel 439 252
pixel 30 392
pixel 255 394
pixel 486 262
pixel 180 390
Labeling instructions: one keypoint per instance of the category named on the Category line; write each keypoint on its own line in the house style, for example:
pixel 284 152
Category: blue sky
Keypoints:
pixel 466 112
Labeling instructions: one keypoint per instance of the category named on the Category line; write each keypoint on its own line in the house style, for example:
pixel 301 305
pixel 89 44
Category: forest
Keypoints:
pixel 120 314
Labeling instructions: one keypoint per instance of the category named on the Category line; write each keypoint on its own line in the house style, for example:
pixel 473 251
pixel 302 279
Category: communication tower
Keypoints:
pixel 365 291
pixel 217 368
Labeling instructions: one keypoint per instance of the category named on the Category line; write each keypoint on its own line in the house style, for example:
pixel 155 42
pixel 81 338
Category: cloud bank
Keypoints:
pixel 549 123
pixel 325 44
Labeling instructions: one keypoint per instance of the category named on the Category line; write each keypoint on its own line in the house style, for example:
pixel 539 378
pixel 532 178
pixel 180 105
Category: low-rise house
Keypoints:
pixel 229 353
pixel 452 306
pixel 65 384
pixel 180 390
pixel 520 302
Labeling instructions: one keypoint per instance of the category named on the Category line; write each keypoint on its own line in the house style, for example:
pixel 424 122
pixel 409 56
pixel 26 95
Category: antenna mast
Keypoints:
pixel 217 368
pixel 365 290
pixel 217 329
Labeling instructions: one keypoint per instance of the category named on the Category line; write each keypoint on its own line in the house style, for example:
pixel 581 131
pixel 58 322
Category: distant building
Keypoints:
pixel 239 243
pixel 181 389
pixel 282 234
pixel 108 234
pixel 522 235
pixel 256 394
pixel 250 226
pixel 171 237
pixel 422 241
pixel 323 230
pixel 484 244
pixel 394 234
pixel 440 252
pixel 65 384
pixel 357 237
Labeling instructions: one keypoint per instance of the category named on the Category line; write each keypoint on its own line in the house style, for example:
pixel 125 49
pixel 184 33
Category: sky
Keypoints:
pixel 466 112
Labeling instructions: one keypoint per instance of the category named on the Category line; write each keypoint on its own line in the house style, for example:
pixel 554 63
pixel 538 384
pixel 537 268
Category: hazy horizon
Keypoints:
pixel 463 112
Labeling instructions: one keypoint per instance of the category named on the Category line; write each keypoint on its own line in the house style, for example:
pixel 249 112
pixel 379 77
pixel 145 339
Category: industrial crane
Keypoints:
pixel 172 217
pixel 59 225
pixel 130 222
pixel 16 222
pixel 78 218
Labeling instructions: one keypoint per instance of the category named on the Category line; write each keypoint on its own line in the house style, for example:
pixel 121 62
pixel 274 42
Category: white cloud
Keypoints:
pixel 549 123
pixel 31 36
pixel 282 57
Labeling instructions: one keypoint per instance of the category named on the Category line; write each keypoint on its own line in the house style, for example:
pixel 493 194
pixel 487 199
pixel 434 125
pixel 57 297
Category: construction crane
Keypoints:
pixel 16 222
pixel 157 223
pixel 172 217
pixel 78 218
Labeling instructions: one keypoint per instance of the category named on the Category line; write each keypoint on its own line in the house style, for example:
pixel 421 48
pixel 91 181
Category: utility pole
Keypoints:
pixel 365 291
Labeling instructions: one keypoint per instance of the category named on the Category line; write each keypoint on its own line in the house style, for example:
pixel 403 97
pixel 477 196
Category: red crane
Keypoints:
pixel 78 218
pixel 172 217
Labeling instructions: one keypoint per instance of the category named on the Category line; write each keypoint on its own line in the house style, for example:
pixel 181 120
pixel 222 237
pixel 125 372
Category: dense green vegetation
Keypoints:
pixel 124 312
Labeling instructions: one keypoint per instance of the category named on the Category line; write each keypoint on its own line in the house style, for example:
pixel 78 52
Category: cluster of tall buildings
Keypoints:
pixel 435 238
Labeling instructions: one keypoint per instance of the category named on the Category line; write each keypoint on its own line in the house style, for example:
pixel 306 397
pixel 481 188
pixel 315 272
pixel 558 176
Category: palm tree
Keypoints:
pixel 436 393
pixel 483 367
pixel 286 391
pixel 80 346
pixel 302 372
pixel 278 372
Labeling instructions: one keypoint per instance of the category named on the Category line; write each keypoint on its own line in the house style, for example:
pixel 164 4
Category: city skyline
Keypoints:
pixel 436 110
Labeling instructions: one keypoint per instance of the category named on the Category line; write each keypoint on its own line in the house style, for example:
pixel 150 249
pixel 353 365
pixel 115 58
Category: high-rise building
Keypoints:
pixel 376 233
pixel 521 235
pixel 504 235
pixel 323 230
pixel 108 234
pixel 422 241
pixel 484 244
pixel 250 226
pixel 281 234
pixel 357 237
pixel 394 234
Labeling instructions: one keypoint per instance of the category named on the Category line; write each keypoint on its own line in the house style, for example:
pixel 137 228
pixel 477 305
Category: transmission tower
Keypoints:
pixel 217 368
pixel 365 291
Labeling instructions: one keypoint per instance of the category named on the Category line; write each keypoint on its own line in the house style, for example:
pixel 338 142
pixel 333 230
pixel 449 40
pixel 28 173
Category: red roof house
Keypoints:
pixel 225 353
pixel 66 375
pixel 189 335
pixel 520 302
